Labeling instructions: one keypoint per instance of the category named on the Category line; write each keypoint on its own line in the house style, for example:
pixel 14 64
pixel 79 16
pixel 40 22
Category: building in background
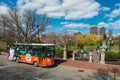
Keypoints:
pixel 118 35
pixel 110 33
pixel 102 31
pixel 93 30
pixel 98 35
pixel 77 33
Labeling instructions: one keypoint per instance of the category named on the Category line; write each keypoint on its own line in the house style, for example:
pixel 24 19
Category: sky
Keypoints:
pixel 74 15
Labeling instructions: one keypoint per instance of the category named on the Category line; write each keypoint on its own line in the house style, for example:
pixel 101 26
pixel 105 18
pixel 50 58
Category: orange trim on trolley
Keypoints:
pixel 41 61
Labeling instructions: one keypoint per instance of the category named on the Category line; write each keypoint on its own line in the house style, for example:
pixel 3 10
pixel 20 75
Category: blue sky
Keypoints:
pixel 75 15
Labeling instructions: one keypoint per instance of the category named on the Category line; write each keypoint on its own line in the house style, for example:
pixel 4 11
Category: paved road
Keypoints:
pixel 10 70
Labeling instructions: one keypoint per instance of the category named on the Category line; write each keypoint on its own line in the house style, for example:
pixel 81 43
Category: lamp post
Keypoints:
pixel 119 45
pixel 70 42
pixel 110 43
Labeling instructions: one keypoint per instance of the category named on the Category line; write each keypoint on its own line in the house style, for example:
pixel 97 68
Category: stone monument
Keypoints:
pixel 102 61
pixel 73 56
pixel 90 57
pixel 104 44
pixel 65 53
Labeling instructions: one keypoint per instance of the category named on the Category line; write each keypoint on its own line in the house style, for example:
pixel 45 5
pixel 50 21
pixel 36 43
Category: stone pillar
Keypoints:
pixel 73 56
pixel 102 61
pixel 65 53
pixel 90 57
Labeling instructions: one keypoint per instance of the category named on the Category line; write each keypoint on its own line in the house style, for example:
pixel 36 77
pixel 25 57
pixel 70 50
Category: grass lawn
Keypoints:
pixel 75 47
pixel 114 48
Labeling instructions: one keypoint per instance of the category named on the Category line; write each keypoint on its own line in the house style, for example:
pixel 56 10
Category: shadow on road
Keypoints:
pixel 103 74
pixel 59 61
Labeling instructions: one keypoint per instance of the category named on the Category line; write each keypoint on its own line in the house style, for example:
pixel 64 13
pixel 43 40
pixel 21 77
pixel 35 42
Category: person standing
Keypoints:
pixel 11 53
pixel 97 49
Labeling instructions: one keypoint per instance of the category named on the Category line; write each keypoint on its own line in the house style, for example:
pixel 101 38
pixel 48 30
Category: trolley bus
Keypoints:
pixel 32 53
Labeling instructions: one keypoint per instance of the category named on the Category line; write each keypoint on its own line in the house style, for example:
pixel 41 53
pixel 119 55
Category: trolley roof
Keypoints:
pixel 31 44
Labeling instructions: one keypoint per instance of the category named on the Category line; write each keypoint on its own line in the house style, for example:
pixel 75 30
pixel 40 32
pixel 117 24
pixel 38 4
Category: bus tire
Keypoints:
pixel 17 60
pixel 35 64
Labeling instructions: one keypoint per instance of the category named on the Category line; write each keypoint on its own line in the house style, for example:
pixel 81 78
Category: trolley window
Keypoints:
pixel 42 48
pixel 36 48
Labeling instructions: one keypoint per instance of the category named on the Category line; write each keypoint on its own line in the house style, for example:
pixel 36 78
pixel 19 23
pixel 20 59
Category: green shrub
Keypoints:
pixel 112 55
pixel 67 46
pixel 116 42
pixel 69 53
pixel 80 45
pixel 59 53
pixel 112 44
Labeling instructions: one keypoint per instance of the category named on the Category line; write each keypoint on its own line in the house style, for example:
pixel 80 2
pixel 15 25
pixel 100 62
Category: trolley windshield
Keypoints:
pixel 50 51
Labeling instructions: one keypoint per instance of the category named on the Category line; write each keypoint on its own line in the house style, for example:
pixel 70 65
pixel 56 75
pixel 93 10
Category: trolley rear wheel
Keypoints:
pixel 35 64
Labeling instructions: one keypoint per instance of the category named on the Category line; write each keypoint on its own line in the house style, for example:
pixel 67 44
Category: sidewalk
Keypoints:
pixel 89 66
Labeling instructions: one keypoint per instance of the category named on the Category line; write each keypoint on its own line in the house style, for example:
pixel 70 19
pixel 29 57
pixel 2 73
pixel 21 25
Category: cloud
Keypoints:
pixel 105 8
pixel 56 14
pixel 73 30
pixel 3 8
pixel 68 9
pixel 20 3
pixel 49 27
pixel 64 22
pixel 114 25
pixel 110 19
pixel 102 24
pixel 76 25
pixel 114 13
pixel 118 4
pixel 79 9
pixel 10 2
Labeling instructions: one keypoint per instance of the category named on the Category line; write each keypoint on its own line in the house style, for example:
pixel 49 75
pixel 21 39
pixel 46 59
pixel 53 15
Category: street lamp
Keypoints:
pixel 70 42
pixel 119 45
pixel 110 43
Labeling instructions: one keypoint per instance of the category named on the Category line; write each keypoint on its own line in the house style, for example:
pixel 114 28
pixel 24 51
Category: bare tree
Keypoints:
pixel 54 38
pixel 2 25
pixel 25 26
pixel 65 36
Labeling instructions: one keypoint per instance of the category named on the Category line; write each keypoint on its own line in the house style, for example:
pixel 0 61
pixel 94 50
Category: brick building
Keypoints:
pixel 102 31
pixel 93 30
